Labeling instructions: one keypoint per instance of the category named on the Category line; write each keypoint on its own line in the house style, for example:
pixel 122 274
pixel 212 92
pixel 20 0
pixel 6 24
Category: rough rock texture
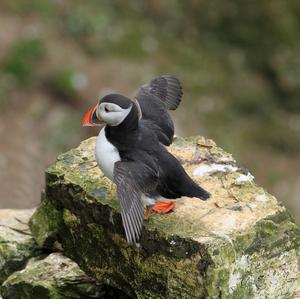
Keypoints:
pixel 296 294
pixel 55 277
pixel 16 242
pixel 241 243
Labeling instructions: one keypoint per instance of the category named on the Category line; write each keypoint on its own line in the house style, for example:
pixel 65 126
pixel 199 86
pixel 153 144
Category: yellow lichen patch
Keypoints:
pixel 185 153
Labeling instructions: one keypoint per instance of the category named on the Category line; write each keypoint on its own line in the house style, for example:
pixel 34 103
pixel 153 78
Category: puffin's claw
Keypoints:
pixel 147 212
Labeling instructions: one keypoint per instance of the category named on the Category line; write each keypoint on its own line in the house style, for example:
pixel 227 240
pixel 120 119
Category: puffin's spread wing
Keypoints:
pixel 132 180
pixel 155 98
pixel 167 88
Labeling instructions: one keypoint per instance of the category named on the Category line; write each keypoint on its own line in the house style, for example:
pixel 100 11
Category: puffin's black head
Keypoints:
pixel 116 99
pixel 113 110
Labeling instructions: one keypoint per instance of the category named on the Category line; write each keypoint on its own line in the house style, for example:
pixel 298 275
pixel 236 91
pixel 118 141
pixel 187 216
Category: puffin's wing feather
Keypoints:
pixel 155 99
pixel 167 88
pixel 132 180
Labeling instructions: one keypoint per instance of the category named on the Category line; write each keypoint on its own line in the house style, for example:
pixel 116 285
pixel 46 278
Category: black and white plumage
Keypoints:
pixel 131 151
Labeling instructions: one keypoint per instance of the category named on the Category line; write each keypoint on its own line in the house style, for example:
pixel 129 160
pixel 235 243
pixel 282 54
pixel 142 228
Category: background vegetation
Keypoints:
pixel 239 63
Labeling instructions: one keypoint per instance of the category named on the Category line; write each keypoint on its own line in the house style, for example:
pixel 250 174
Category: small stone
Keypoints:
pixel 16 242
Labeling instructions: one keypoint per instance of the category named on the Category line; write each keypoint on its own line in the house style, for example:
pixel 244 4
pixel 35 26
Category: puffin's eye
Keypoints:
pixel 106 109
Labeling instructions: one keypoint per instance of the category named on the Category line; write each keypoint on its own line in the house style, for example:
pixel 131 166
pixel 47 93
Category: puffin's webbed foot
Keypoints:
pixel 161 207
pixel 164 207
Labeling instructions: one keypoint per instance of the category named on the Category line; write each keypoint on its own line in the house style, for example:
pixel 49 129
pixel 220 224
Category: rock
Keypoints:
pixel 296 294
pixel 45 224
pixel 16 242
pixel 234 245
pixel 54 276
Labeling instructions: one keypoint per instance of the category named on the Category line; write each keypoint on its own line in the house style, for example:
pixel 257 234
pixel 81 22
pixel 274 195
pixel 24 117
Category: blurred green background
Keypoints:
pixel 239 63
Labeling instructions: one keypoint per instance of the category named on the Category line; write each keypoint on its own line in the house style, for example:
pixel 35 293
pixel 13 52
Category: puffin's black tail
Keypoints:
pixel 193 190
pixel 201 193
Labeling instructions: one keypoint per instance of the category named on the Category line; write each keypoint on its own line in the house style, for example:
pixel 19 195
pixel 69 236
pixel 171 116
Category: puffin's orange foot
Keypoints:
pixel 164 207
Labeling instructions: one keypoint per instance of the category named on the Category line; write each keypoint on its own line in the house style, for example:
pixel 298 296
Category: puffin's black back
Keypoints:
pixel 137 140
pixel 140 144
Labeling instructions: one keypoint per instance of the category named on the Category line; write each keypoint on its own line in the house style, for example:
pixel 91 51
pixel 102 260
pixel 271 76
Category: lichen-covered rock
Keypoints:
pixel 45 224
pixel 241 243
pixel 296 294
pixel 53 277
pixel 16 242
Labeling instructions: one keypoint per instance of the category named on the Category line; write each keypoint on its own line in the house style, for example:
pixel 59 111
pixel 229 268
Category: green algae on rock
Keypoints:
pixel 46 229
pixel 53 277
pixel 16 242
pixel 241 243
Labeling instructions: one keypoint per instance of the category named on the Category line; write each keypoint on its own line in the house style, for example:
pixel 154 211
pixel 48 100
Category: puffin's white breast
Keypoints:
pixel 106 155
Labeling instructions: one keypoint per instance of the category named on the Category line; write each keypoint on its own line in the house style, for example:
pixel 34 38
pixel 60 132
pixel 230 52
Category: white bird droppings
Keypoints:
pixel 212 168
pixel 244 178
pixel 261 197
pixel 230 222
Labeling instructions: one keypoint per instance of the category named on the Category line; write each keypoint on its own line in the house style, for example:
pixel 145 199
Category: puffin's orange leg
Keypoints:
pixel 163 207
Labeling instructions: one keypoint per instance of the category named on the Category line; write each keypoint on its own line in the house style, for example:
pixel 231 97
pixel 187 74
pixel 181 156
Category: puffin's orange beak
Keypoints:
pixel 91 119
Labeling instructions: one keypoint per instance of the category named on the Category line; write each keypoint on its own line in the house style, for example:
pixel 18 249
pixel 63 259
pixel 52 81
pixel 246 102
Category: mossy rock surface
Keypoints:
pixel 16 242
pixel 241 243
pixel 54 277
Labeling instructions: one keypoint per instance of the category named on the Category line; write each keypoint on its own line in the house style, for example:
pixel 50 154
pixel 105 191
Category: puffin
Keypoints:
pixel 131 151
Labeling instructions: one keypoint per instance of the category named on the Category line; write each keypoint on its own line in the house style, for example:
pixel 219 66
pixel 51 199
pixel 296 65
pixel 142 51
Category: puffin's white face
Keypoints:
pixel 112 114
